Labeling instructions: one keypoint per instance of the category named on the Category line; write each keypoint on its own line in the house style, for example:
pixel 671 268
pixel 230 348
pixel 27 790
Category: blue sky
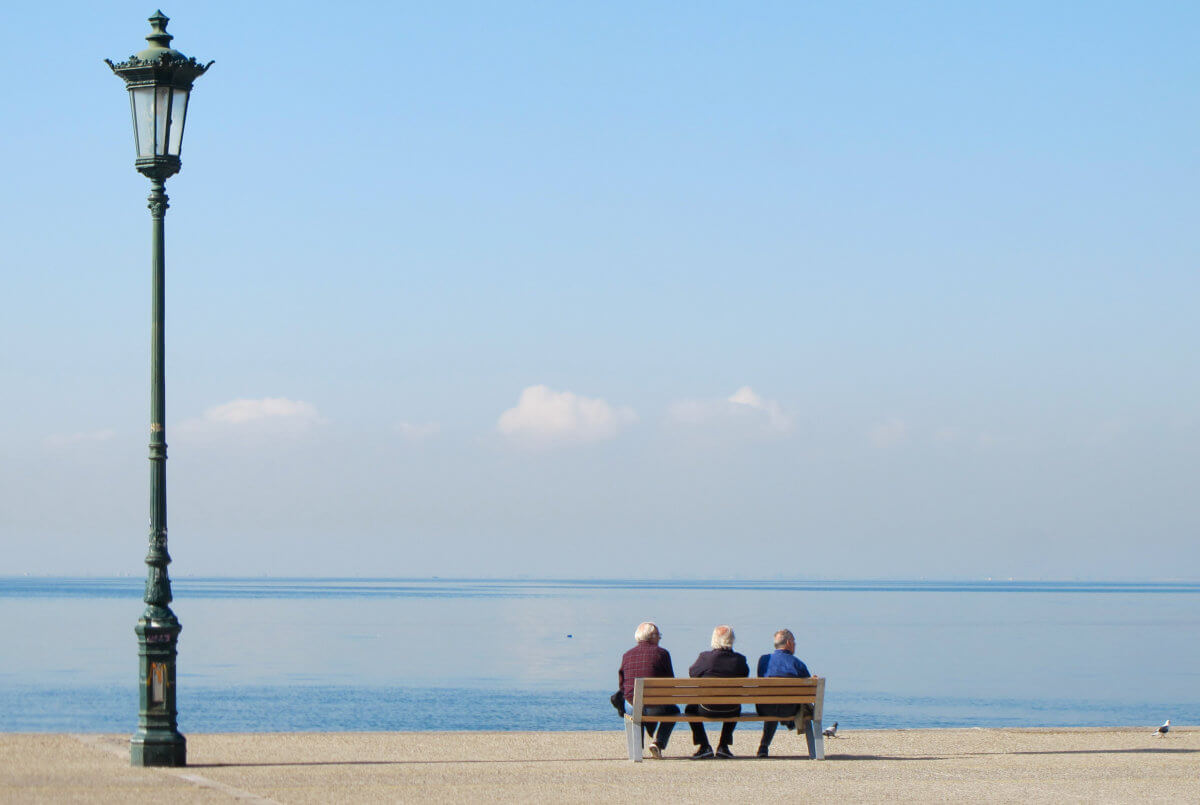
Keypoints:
pixel 831 290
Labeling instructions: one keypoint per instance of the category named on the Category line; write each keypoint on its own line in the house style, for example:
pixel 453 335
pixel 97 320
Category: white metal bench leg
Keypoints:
pixel 633 739
pixel 816 744
pixel 816 740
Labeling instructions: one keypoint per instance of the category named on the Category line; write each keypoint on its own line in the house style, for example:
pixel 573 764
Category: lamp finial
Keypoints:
pixel 159 37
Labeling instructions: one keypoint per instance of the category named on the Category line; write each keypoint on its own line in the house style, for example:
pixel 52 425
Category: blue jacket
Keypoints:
pixel 781 663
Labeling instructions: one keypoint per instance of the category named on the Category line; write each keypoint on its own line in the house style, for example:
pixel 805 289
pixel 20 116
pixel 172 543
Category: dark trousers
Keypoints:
pixel 769 727
pixel 659 731
pixel 699 738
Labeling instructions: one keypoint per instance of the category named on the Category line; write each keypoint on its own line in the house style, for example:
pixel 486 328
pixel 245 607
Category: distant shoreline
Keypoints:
pixel 16 583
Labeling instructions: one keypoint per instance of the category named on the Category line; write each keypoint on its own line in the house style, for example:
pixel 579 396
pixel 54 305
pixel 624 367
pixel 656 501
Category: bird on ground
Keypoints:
pixel 1164 729
pixel 830 732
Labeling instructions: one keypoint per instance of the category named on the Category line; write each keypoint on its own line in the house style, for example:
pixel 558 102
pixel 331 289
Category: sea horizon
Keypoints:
pixel 635 579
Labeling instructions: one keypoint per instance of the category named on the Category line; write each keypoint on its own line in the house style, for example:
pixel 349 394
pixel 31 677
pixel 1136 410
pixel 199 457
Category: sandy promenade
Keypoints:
pixel 995 765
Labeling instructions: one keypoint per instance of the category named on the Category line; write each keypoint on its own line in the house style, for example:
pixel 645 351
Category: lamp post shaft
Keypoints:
pixel 157 557
pixel 157 741
pixel 158 586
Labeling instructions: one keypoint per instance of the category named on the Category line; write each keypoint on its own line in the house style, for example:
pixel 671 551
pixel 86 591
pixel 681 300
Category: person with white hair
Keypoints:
pixel 647 658
pixel 781 662
pixel 720 661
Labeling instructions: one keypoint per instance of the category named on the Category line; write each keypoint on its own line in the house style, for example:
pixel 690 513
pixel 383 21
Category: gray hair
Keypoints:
pixel 783 637
pixel 646 632
pixel 722 637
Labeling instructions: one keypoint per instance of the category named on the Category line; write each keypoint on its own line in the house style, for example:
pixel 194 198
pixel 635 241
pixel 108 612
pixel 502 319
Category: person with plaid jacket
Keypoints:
pixel 647 658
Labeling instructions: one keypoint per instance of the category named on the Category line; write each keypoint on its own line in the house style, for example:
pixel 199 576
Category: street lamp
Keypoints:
pixel 159 80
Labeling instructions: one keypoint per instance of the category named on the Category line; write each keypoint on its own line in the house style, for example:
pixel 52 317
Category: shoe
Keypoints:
pixel 725 752
pixel 655 751
pixel 703 753
pixel 617 700
pixel 762 752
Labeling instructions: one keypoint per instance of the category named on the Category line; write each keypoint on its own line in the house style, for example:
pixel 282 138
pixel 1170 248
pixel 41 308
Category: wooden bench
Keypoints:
pixel 710 690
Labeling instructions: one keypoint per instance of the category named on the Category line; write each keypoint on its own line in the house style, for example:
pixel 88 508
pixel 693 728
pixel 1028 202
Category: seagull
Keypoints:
pixel 1164 729
pixel 830 732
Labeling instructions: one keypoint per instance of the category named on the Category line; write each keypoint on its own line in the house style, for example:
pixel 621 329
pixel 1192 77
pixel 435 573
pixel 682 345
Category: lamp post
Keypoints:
pixel 159 80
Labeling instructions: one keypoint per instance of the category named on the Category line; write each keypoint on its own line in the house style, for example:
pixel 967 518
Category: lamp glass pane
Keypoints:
pixel 178 113
pixel 133 114
pixel 143 119
pixel 161 118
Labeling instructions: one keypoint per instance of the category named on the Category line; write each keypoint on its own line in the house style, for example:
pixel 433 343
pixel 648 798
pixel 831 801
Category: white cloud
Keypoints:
pixel 544 416
pixel 239 412
pixel 778 420
pixel 270 414
pixel 890 433
pixel 744 405
pixel 72 439
pixel 416 432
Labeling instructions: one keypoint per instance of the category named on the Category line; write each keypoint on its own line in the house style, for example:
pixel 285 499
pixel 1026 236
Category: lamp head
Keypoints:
pixel 159 80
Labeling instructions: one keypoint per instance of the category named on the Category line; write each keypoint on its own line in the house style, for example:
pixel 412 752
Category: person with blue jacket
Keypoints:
pixel 781 662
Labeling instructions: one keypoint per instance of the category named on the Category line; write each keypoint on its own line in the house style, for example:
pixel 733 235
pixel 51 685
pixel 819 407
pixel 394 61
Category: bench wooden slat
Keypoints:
pixel 742 681
pixel 716 690
pixel 743 717
pixel 732 698
pixel 701 692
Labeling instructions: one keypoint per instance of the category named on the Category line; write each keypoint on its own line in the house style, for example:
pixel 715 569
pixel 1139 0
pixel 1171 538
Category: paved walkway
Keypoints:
pixel 1113 765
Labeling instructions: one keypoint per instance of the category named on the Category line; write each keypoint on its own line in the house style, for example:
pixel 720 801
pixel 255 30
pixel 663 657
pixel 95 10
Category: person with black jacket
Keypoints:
pixel 721 661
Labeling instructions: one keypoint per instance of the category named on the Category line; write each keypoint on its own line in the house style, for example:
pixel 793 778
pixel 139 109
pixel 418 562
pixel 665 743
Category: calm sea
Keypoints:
pixel 455 654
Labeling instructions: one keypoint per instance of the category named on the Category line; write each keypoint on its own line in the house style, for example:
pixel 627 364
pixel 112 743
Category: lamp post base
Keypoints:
pixel 155 750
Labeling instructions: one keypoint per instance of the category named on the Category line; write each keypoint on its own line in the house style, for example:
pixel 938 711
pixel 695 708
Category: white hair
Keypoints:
pixel 722 637
pixel 646 632
pixel 783 636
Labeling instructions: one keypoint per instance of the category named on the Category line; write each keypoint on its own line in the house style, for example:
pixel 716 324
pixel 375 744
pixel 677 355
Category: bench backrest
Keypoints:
pixel 710 690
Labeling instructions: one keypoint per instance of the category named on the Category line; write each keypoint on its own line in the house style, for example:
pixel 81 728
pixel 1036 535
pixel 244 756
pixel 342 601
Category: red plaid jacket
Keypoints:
pixel 644 659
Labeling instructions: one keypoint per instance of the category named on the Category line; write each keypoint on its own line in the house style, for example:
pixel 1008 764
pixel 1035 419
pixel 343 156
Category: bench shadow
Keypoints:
pixel 874 757
pixel 806 758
